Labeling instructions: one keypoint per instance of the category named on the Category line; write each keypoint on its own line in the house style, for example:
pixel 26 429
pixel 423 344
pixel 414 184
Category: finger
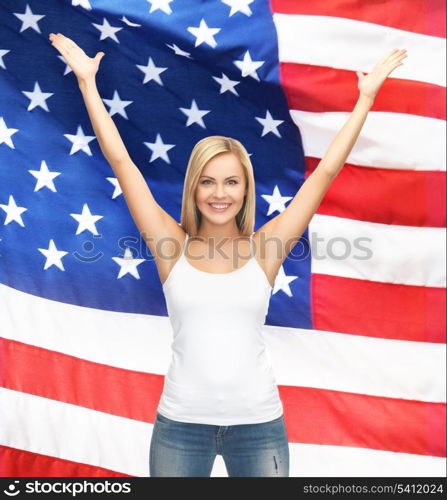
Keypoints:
pixel 401 53
pixel 390 70
pixel 391 62
pixel 397 55
pixel 69 42
pixel 61 39
pixel 387 56
pixel 392 56
pixel 60 48
pixel 63 44
pixel 398 58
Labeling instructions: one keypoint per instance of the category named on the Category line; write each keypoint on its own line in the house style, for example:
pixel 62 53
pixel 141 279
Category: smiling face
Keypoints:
pixel 221 189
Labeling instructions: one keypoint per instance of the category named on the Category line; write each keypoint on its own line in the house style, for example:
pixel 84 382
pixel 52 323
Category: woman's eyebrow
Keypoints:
pixel 214 179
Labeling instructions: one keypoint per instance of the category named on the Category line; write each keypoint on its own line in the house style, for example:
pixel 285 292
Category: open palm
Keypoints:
pixel 370 84
pixel 82 65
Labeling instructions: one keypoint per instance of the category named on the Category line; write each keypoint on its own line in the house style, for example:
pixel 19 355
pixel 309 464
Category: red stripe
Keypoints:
pixel 420 16
pixel 385 196
pixel 343 419
pixel 306 88
pixel 21 463
pixel 382 310
pixel 73 380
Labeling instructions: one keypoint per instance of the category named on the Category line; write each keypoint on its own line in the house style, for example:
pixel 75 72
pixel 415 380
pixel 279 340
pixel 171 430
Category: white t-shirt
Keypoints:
pixel 220 371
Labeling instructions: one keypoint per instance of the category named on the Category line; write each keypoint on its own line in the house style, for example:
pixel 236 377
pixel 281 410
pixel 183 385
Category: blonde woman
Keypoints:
pixel 220 395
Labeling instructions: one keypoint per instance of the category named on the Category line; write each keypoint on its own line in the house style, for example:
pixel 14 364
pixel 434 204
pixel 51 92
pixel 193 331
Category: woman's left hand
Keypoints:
pixel 370 84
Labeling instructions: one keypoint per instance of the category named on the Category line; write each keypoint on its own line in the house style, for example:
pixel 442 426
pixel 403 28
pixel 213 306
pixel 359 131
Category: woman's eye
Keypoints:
pixel 203 182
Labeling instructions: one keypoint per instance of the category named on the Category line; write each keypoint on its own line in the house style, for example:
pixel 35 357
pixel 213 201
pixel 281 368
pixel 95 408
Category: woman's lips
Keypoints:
pixel 219 210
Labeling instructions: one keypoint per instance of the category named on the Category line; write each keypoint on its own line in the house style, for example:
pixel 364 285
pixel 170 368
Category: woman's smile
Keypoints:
pixel 219 207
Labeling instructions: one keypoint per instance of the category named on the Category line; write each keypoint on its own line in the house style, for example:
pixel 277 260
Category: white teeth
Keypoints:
pixel 219 206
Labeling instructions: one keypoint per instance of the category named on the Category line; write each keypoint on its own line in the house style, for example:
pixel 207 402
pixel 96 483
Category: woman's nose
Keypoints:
pixel 220 190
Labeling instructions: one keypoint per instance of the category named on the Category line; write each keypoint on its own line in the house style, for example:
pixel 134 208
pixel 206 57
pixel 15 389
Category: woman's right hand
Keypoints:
pixel 83 66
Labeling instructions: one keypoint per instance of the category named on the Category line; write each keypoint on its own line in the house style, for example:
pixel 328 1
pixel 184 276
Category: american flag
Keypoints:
pixel 356 323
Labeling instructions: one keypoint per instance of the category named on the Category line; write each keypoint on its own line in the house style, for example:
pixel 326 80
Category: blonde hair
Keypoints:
pixel 203 151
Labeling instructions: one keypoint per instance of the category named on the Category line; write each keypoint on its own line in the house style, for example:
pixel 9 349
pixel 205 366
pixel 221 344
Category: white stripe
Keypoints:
pixel 125 340
pixel 361 365
pixel 387 140
pixel 383 253
pixel 310 460
pixel 316 40
pixel 40 425
pixel 70 432
pixel 327 360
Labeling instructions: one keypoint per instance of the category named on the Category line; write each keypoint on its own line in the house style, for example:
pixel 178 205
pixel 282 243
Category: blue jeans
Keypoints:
pixel 183 449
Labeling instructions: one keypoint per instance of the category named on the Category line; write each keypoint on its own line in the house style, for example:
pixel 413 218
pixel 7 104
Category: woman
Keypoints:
pixel 220 394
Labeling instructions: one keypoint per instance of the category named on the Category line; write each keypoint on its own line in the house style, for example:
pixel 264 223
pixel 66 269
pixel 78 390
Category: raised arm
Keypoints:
pixel 289 225
pixel 152 221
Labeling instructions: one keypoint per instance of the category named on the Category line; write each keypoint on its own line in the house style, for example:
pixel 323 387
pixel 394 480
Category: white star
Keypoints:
pixel 13 212
pixel 3 52
pixel 151 72
pixel 160 4
pixel 83 3
pixel 44 177
pixel 204 34
pixel 159 149
pixel 276 201
pixel 239 6
pixel 37 97
pixel 194 114
pixel 178 51
pixel 125 20
pixel 249 67
pixel 282 282
pixel 29 20
pixel 107 30
pixel 128 264
pixel 116 184
pixel 6 133
pixel 117 105
pixel 80 141
pixel 226 84
pixel 86 220
pixel 269 124
pixel 53 255
pixel 67 67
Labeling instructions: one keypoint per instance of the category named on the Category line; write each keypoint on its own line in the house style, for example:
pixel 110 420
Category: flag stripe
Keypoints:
pixel 394 311
pixel 406 432
pixel 358 364
pixel 124 393
pixel 121 445
pixel 305 461
pixel 53 428
pixel 358 249
pixel 91 383
pixel 108 337
pixel 428 16
pixel 351 358
pixel 385 196
pixel 373 42
pixel 376 146
pixel 306 85
pixel 22 463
